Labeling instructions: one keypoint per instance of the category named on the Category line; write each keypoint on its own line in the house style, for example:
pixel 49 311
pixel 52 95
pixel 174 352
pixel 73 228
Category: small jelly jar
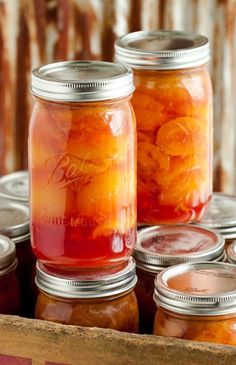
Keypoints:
pixel 14 223
pixel 9 286
pixel 15 187
pixel 221 216
pixel 173 108
pixel 82 162
pixel 159 247
pixel 100 299
pixel 197 302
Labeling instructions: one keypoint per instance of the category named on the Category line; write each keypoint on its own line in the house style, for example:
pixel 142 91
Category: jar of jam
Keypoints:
pixel 173 108
pixel 197 302
pixel 159 247
pixel 14 223
pixel 221 216
pixel 82 160
pixel 14 186
pixel 96 299
pixel 9 287
pixel 231 253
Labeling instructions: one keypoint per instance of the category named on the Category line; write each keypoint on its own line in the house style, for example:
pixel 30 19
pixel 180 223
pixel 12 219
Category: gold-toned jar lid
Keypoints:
pixel 85 285
pixel 15 186
pixel 158 247
pixel 162 50
pixel 200 289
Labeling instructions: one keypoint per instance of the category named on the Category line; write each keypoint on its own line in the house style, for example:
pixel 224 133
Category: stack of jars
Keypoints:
pixel 82 160
pixel 173 108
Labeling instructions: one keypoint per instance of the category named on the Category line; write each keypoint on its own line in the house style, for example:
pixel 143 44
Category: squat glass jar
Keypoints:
pixel 82 161
pixel 159 247
pixel 9 286
pixel 173 108
pixel 197 302
pixel 100 299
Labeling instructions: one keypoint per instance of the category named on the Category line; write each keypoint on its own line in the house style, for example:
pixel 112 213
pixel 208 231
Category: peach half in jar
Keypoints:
pixel 82 150
pixel 173 106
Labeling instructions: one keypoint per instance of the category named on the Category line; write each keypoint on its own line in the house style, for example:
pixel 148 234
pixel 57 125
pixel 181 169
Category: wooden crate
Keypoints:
pixel 34 342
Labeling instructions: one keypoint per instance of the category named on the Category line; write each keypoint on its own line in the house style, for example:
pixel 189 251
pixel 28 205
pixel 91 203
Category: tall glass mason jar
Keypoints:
pixel 82 164
pixel 173 108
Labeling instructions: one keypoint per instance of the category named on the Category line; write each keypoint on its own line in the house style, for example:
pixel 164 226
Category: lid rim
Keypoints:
pixel 185 302
pixel 104 286
pixel 77 89
pixel 162 59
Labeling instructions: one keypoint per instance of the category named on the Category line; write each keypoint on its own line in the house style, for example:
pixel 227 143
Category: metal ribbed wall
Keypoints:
pixel 33 32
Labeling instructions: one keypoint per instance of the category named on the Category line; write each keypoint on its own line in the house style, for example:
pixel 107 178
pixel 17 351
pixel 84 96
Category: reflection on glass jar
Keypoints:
pixel 173 108
pixel 90 300
pixel 9 286
pixel 82 161
pixel 159 247
pixel 197 302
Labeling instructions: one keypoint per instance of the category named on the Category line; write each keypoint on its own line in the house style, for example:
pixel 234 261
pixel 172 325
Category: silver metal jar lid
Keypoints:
pixel 200 289
pixel 8 261
pixel 221 215
pixel 86 285
pixel 82 81
pixel 14 219
pixel 158 247
pixel 15 186
pixel 162 50
pixel 231 253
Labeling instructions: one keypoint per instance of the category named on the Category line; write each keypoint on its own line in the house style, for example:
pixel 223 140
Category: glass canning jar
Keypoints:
pixel 14 223
pixel 97 299
pixel 197 301
pixel 221 216
pixel 82 161
pixel 173 107
pixel 9 286
pixel 159 247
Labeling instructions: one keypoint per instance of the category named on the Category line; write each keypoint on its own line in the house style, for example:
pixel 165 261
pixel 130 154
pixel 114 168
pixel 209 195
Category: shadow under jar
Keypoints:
pixel 159 247
pixel 173 107
pixel 82 161
pixel 102 299
pixel 197 302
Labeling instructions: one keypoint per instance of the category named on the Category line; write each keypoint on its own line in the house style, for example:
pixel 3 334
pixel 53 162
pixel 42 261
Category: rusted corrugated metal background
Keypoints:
pixel 33 32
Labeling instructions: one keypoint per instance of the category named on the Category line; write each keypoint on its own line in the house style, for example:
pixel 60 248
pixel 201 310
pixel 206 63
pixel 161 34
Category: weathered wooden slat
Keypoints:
pixel 40 343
